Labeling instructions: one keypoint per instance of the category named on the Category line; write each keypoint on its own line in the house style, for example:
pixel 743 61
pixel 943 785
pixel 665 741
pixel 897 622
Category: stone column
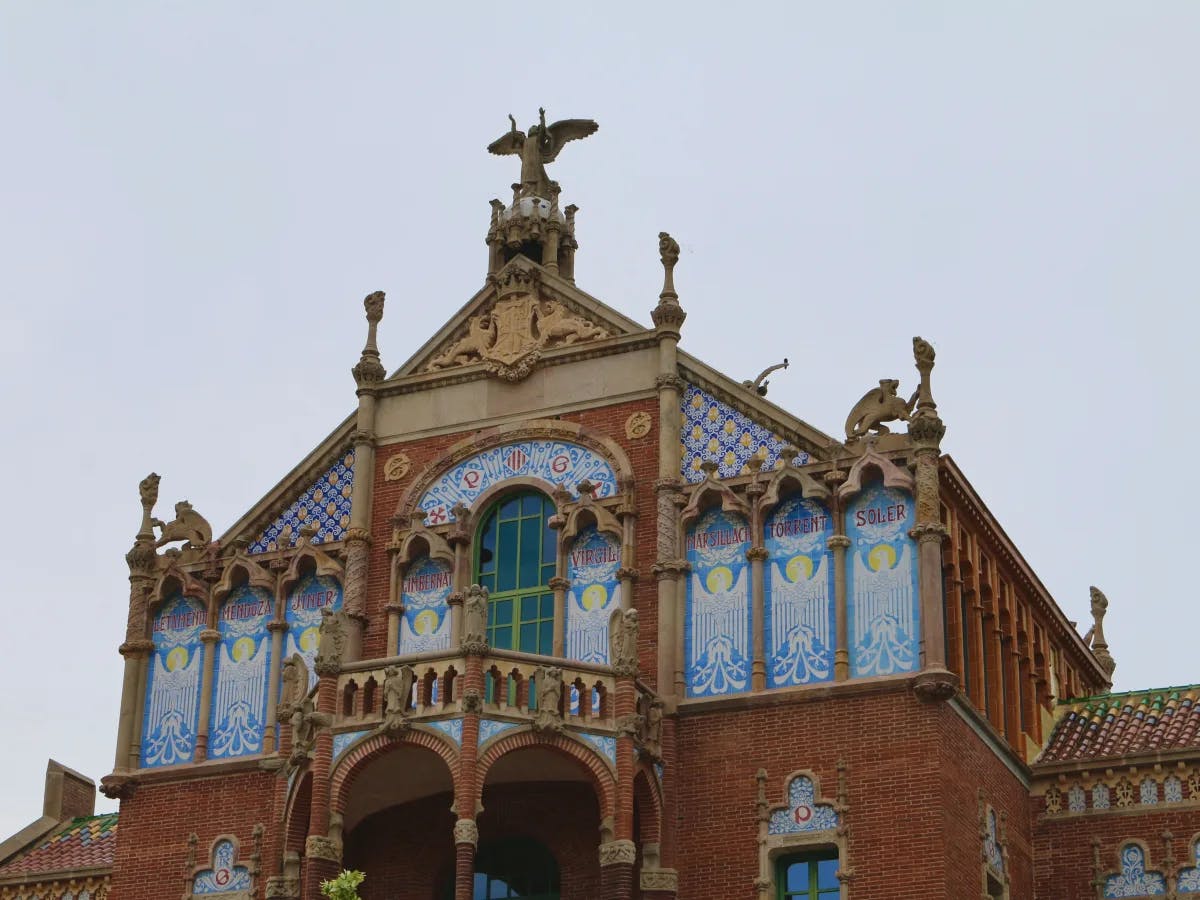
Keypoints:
pixel 466 784
pixel 368 374
pixel 757 555
pixel 466 840
pixel 925 431
pixel 668 318
pixel 210 638
pixel 838 543
pixel 625 668
pixel 460 539
pixel 617 859
pixel 560 586
pixel 277 629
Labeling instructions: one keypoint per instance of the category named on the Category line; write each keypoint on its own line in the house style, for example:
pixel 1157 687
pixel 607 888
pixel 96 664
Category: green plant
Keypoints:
pixel 344 887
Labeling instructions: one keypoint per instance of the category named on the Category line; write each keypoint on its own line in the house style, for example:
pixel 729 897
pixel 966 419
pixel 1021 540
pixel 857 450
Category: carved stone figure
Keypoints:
pixel 877 406
pixel 304 730
pixel 471 347
pixel 541 145
pixel 332 642
pixel 188 526
pixel 475 620
pixel 397 688
pixel 148 489
pixel 1095 636
pixel 549 699
pixel 668 249
pixel 651 736
pixel 295 685
pixel 557 326
pixel 622 641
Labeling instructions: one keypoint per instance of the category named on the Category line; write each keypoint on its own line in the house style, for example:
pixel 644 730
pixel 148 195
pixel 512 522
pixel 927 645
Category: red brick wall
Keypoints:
pixel 1063 860
pixel 154 824
pixel 408 851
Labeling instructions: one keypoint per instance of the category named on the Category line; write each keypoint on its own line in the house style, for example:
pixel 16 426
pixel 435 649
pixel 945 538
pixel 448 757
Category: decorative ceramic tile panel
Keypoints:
pixel 595 592
pixel 659 768
pixel 239 707
pixel 1134 880
pixel 557 462
pixel 325 504
pixel 1148 791
pixel 1188 880
pixel 1076 799
pixel 490 728
pixel 715 431
pixel 452 728
pixel 803 813
pixel 344 740
pixel 425 594
pixel 717 621
pixel 799 610
pixel 224 877
pixel 605 744
pixel 303 615
pixel 1100 797
pixel 882 584
pixel 991 843
pixel 1172 790
pixel 173 692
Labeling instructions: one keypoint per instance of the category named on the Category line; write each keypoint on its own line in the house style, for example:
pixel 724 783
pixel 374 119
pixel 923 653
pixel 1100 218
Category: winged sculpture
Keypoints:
pixel 540 146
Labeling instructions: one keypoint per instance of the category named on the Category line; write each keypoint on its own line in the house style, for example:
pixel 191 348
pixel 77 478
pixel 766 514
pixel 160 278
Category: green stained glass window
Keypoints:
pixel 515 559
pixel 808 876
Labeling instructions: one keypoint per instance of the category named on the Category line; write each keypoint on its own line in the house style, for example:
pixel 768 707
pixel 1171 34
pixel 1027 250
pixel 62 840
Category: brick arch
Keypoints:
pixel 355 761
pixel 299 805
pixel 534 429
pixel 603 780
pixel 647 794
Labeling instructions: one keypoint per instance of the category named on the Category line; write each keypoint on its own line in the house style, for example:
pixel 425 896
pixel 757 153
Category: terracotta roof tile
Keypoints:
pixel 1114 725
pixel 86 843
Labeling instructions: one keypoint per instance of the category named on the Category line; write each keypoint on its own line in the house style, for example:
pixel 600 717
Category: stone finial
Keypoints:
pixel 1098 643
pixel 148 490
pixel 142 557
pixel 923 355
pixel 668 315
pixel 369 369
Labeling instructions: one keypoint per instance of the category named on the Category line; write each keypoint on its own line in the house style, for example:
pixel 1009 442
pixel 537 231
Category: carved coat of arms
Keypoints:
pixel 509 337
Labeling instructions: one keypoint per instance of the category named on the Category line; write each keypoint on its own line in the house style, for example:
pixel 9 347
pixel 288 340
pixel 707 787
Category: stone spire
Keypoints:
pixel 1099 644
pixel 668 315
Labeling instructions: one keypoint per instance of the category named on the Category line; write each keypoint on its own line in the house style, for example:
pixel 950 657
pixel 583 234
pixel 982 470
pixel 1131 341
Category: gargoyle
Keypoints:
pixel 877 406
pixel 188 526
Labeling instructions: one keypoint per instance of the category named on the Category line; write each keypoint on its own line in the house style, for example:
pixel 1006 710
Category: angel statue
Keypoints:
pixel 540 146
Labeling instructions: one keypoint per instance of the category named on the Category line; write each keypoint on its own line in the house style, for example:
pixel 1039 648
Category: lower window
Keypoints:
pixel 808 876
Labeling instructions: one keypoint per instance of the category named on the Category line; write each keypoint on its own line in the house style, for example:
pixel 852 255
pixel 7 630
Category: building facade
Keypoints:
pixel 562 611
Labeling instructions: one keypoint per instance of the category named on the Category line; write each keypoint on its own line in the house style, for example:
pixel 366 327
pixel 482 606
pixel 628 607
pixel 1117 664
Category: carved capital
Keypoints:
pixel 118 786
pixel 757 553
pixel 668 381
pixel 210 635
pixel 318 846
pixel 660 880
pixel 135 648
pixel 368 372
pixel 281 887
pixel 277 626
pixel 837 541
pixel 558 583
pixel 935 685
pixel 629 726
pixel 627 574
pixel 926 431
pixel 668 486
pixel 928 532
pixel 359 436
pixel 475 648
pixel 466 832
pixel 618 853
pixel 358 534
pixel 327 666
pixel 625 669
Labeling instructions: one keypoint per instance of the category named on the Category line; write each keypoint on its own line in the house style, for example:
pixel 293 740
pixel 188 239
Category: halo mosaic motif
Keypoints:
pixel 558 462
pixel 326 504
pixel 715 431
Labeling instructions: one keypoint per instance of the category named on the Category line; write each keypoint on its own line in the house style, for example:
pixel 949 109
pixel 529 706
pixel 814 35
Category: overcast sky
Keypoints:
pixel 194 200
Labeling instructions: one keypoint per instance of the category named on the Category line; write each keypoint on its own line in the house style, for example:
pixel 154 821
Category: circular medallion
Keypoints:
pixel 396 467
pixel 637 425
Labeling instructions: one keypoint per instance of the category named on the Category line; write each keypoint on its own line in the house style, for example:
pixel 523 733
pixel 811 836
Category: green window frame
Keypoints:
pixel 516 555
pixel 808 876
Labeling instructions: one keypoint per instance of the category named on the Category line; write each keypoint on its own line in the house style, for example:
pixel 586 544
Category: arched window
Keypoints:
pixel 515 558
pixel 808 876
pixel 511 867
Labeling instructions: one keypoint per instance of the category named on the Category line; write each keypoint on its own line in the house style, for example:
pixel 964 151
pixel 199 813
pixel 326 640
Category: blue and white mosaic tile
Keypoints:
pixel 224 877
pixel 1100 798
pixel 1173 790
pixel 803 813
pixel 557 462
pixel 172 708
pixel 342 742
pixel 1188 881
pixel 452 728
pixel 1149 791
pixel 605 744
pixel 325 504
pixel 659 768
pixel 1076 799
pixel 1134 880
pixel 991 843
pixel 491 728
pixel 713 431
